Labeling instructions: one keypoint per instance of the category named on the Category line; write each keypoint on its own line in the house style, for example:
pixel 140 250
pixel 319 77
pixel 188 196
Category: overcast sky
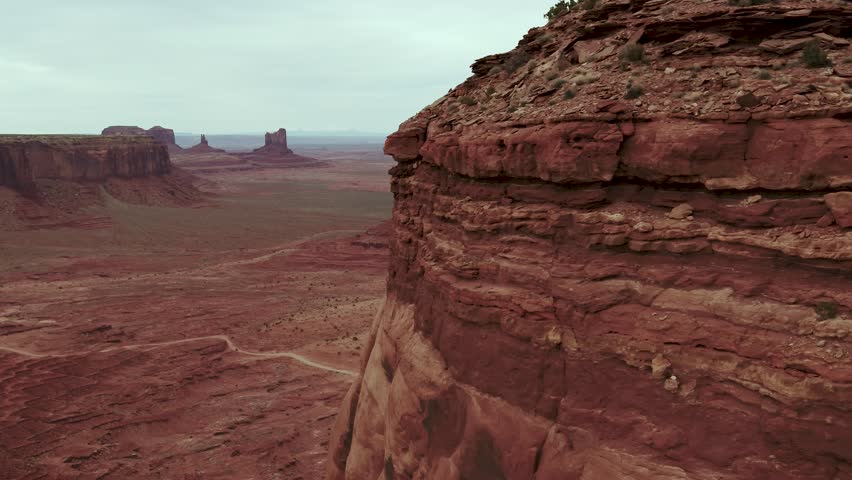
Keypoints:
pixel 240 66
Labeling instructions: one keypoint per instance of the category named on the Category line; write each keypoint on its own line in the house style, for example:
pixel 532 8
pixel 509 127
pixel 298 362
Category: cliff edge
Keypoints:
pixel 622 250
pixel 25 159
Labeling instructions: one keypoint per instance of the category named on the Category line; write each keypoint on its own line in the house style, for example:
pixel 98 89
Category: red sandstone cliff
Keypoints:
pixel 26 159
pixel 166 136
pixel 613 265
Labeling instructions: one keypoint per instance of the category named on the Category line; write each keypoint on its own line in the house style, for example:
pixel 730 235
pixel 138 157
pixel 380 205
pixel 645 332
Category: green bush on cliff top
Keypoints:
pixel 563 6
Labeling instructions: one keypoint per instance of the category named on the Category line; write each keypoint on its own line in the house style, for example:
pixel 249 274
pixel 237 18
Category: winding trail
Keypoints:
pixel 231 346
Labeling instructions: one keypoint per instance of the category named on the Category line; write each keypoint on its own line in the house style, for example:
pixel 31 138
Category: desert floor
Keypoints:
pixel 208 342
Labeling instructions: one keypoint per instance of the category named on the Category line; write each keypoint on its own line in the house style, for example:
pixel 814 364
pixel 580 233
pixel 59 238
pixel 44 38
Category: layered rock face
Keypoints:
pixel 27 159
pixel 592 287
pixel 166 136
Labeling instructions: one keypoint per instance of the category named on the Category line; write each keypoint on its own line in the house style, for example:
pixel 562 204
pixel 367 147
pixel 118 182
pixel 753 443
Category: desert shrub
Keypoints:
pixel 586 78
pixel 632 53
pixel 490 92
pixel 634 91
pixel 826 310
pixel 569 94
pixel 557 84
pixel 467 100
pixel 561 8
pixel 516 60
pixel 552 76
pixel 512 109
pixel 764 75
pixel 749 3
pixel 814 56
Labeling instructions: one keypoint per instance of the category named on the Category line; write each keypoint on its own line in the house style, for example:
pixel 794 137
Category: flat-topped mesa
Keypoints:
pixel 25 159
pixel 275 142
pixel 622 250
pixel 166 136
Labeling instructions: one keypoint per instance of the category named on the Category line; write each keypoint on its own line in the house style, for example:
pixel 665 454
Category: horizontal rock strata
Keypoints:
pixel 27 159
pixel 591 287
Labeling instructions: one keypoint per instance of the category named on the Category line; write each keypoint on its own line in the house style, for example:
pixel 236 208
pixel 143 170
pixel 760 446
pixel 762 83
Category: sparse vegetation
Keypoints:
pixel 552 76
pixel 764 75
pixel 634 91
pixel 826 310
pixel 557 84
pixel 561 8
pixel 490 92
pixel 814 56
pixel 585 78
pixel 516 60
pixel 512 109
pixel 748 3
pixel 632 53
pixel 467 100
pixel 569 94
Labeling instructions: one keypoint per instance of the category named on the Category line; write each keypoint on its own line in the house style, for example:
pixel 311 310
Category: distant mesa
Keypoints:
pixel 276 153
pixel 203 147
pixel 166 136
pixel 53 179
pixel 25 159
pixel 275 143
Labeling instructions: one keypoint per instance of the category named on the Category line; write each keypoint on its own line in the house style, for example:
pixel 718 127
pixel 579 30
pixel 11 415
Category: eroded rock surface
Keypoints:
pixel 276 153
pixel 585 286
pixel 166 136
pixel 27 159
pixel 203 146
pixel 275 142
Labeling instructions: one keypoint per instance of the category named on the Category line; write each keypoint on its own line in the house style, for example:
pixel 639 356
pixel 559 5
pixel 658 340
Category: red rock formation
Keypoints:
pixel 166 136
pixel 203 147
pixel 27 159
pixel 275 142
pixel 587 286
pixel 276 153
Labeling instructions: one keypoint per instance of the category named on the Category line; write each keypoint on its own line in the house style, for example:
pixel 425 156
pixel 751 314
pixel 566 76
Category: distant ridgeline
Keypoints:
pixel 166 136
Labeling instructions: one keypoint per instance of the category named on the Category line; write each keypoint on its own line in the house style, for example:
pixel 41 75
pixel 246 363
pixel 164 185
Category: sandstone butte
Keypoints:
pixel 166 136
pixel 275 143
pixel 203 147
pixel 25 159
pixel 585 286
pixel 276 153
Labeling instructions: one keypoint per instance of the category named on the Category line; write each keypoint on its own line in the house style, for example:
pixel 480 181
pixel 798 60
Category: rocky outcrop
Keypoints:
pixel 166 136
pixel 593 287
pixel 203 147
pixel 275 153
pixel 26 159
pixel 275 142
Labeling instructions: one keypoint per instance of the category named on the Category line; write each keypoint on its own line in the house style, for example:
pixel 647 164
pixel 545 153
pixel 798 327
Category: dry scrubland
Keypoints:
pixel 157 342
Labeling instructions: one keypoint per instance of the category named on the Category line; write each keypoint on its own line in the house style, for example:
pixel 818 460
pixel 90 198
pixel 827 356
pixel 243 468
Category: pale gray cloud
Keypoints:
pixel 223 66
